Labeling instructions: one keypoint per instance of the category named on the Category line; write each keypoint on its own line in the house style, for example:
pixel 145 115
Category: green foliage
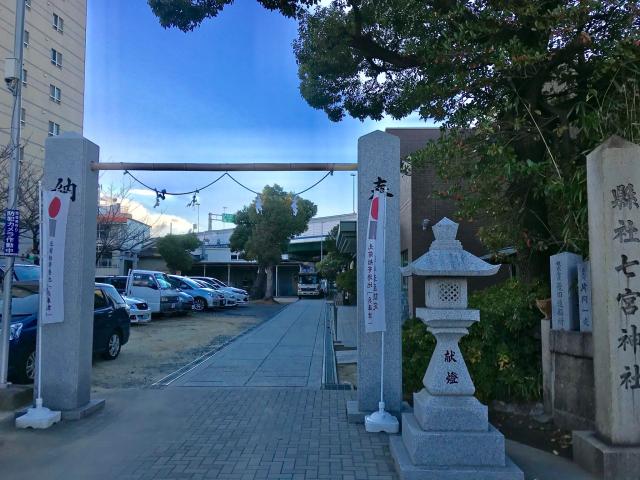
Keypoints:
pixel 502 351
pixel 333 261
pixel 347 282
pixel 176 251
pixel 265 236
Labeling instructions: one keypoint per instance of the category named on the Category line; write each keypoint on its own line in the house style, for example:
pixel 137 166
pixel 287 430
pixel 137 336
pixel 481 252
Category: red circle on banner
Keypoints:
pixel 374 208
pixel 54 207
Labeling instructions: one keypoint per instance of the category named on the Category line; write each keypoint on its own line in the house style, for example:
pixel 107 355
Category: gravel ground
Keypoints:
pixel 165 344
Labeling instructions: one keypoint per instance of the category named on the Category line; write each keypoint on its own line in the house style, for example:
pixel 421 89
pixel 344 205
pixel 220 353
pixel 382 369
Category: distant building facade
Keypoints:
pixel 119 240
pixel 215 258
pixel 420 208
pixel 53 72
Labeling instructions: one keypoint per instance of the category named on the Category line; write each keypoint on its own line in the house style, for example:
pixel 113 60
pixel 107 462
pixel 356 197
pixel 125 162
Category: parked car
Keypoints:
pixel 22 272
pixel 229 298
pixel 118 281
pixel 139 311
pixel 110 327
pixel 186 301
pixel 242 296
pixel 154 288
pixel 203 297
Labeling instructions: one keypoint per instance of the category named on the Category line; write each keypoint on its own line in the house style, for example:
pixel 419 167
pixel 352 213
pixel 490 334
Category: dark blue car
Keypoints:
pixel 110 327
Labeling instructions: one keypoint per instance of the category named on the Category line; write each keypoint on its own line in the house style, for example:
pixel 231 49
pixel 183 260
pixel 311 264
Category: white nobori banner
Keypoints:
pixel 374 268
pixel 55 210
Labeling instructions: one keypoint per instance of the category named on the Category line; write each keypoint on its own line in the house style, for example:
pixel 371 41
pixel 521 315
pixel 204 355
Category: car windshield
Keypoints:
pixel 25 299
pixel 27 273
pixel 203 284
pixel 308 279
pixel 192 283
pixel 163 281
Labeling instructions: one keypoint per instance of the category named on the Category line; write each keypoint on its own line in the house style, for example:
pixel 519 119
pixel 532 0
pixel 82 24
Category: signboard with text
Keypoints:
pixel 374 268
pixel 55 209
pixel 11 232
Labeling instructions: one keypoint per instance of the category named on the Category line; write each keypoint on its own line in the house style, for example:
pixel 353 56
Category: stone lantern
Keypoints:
pixel 448 435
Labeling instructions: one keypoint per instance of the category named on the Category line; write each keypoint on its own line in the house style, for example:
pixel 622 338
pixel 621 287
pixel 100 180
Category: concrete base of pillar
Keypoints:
pixel 84 411
pixel 606 461
pixel 408 471
pixel 355 415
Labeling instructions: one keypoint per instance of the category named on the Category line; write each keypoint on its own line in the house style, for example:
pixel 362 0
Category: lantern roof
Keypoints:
pixel 447 258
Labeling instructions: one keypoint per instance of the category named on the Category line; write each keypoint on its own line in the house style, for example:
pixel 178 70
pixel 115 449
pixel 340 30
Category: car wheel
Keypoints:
pixel 113 346
pixel 199 305
pixel 30 367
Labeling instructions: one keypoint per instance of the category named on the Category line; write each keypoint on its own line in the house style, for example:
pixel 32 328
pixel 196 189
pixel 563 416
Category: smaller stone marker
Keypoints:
pixel 448 435
pixel 564 291
pixel 584 296
pixel 613 183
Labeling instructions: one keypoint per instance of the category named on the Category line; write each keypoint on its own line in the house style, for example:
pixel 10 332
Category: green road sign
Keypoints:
pixel 228 218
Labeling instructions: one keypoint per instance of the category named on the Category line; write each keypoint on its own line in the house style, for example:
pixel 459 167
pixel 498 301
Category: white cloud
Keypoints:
pixel 142 192
pixel 160 222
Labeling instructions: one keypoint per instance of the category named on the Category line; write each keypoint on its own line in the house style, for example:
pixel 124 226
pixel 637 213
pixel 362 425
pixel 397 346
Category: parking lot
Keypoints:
pixel 167 343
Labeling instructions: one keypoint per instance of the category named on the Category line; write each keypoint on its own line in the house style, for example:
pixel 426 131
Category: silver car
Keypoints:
pixel 203 298
pixel 230 298
pixel 139 311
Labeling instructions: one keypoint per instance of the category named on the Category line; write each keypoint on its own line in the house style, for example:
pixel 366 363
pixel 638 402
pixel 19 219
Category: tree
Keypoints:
pixel 117 231
pixel 333 261
pixel 28 196
pixel 176 251
pixel 523 89
pixel 265 236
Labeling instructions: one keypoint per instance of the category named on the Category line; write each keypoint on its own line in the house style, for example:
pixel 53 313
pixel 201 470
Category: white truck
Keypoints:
pixel 309 282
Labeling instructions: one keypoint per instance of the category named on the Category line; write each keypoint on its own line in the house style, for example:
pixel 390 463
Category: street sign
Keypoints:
pixel 11 232
pixel 228 218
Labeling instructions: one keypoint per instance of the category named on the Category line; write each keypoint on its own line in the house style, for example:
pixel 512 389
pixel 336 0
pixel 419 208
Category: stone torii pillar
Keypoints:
pixel 379 156
pixel 67 345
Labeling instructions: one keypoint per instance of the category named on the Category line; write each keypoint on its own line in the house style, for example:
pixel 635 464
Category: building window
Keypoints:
pixel 54 94
pixel 26 39
pixel 56 58
pixel 54 129
pixel 58 23
pixel 23 116
pixel 24 77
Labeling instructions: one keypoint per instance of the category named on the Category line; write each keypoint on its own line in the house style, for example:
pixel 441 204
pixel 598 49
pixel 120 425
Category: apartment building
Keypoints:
pixel 53 72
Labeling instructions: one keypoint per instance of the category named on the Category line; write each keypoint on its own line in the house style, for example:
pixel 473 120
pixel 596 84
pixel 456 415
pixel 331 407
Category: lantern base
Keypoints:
pixel 450 413
pixel 408 471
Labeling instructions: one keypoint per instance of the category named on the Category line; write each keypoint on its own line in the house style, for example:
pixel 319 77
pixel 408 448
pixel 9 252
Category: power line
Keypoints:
pixel 161 193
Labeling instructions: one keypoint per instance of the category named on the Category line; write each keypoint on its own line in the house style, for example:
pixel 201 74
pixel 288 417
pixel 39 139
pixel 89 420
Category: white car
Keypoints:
pixel 230 298
pixel 139 311
pixel 241 296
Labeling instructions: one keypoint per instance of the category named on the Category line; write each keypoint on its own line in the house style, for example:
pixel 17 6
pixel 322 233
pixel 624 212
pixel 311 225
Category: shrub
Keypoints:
pixel 347 282
pixel 502 351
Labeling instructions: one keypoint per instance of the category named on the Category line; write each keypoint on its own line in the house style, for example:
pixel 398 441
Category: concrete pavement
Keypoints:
pixel 286 351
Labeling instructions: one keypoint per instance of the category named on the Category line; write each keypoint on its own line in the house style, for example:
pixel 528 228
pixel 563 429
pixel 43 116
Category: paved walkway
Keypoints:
pixel 286 351
pixel 232 433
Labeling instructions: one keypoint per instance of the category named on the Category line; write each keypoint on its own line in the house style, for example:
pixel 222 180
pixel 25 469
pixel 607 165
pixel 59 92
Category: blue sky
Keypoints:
pixel 226 92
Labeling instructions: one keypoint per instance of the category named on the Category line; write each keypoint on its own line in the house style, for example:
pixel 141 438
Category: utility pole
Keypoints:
pixel 13 78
